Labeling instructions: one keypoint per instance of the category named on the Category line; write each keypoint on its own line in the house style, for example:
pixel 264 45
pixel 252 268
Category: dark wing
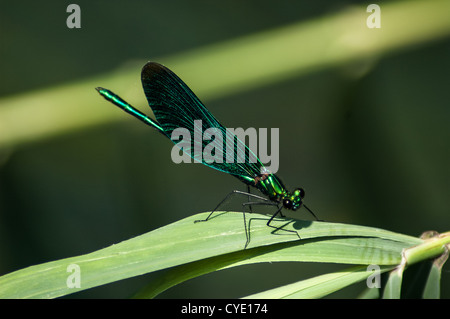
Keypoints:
pixel 176 106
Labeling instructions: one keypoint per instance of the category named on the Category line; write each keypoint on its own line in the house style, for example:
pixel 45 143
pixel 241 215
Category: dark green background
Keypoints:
pixel 370 150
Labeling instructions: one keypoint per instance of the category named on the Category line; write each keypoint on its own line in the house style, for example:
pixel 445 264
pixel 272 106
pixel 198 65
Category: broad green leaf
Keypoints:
pixel 353 250
pixel 222 237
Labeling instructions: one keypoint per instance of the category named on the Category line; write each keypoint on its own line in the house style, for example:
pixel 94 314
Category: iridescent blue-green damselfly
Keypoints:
pixel 176 106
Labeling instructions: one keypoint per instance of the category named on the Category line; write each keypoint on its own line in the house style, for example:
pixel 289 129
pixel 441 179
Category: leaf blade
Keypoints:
pixel 318 286
pixel 185 242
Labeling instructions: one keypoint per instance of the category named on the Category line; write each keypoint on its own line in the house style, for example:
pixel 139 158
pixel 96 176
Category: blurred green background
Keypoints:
pixel 363 122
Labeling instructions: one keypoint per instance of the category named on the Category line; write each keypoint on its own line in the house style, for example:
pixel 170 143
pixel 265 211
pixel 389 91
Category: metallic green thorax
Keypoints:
pixel 271 186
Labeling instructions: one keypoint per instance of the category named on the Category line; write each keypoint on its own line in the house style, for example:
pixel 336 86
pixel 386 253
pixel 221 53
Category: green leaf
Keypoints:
pixel 215 244
pixel 393 287
pixel 418 256
pixel 433 284
pixel 319 286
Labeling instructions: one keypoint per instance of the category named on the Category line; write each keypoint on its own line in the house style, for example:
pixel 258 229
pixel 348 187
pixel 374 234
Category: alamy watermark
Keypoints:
pixel 74 279
pixel 374 20
pixel 226 147
pixel 374 279
pixel 73 21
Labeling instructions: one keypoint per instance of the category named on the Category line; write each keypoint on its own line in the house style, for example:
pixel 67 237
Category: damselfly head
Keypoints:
pixel 294 201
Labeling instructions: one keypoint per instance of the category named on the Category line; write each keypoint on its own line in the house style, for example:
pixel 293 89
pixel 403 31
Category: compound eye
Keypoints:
pixel 287 204
pixel 300 192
